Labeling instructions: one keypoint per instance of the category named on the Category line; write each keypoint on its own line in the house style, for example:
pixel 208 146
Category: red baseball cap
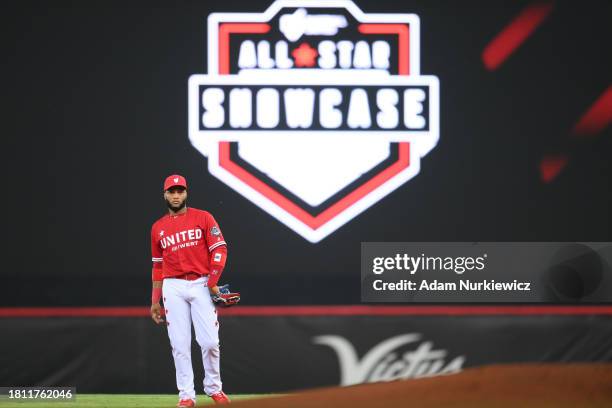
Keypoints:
pixel 174 180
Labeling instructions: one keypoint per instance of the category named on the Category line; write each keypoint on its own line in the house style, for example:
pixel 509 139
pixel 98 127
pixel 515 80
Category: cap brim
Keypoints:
pixel 176 185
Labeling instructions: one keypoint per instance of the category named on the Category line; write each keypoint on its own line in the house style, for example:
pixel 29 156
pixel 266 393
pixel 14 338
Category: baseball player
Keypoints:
pixel 189 254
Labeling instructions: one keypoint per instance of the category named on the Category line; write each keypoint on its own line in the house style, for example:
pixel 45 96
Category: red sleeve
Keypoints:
pixel 217 248
pixel 156 257
pixel 217 262
pixel 214 237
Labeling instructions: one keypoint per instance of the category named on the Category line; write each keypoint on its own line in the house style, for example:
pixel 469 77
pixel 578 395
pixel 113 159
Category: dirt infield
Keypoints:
pixel 499 386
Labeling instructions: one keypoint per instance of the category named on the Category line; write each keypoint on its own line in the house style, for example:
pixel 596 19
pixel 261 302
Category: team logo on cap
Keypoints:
pixel 176 179
pixel 313 110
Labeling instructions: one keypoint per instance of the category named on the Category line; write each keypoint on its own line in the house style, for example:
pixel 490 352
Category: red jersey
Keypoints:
pixel 182 243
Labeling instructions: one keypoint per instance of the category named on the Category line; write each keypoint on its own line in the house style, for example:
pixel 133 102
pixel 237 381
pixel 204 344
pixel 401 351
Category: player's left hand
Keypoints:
pixel 223 297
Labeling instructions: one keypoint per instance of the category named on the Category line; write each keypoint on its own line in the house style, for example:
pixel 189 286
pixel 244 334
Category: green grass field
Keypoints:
pixel 117 401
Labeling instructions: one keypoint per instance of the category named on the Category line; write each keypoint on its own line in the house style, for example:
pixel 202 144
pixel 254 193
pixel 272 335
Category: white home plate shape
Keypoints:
pixel 313 110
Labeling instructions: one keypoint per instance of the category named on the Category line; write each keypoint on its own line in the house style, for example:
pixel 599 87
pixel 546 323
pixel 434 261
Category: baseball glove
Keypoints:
pixel 225 297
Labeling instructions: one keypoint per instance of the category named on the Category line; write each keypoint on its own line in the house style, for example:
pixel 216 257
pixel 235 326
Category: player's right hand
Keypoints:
pixel 156 313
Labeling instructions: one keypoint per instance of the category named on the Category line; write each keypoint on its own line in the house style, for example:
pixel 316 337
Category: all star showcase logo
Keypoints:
pixel 313 110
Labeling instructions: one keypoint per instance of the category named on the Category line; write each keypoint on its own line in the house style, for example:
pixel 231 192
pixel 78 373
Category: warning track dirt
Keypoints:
pixel 500 386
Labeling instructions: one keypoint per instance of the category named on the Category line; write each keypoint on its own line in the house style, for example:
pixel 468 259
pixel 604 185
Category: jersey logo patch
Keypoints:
pixel 313 110
pixel 215 231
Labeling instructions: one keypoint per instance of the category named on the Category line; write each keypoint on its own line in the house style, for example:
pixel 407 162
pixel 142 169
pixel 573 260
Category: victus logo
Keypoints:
pixel 313 110
pixel 385 361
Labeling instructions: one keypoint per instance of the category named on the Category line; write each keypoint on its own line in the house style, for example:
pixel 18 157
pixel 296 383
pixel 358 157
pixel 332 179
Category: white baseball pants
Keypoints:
pixel 186 301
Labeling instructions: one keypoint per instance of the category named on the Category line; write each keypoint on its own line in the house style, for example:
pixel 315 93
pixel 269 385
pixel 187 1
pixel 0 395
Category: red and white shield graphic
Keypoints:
pixel 313 110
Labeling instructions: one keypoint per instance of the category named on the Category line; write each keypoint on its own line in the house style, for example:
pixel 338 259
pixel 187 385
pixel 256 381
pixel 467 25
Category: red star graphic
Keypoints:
pixel 304 55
